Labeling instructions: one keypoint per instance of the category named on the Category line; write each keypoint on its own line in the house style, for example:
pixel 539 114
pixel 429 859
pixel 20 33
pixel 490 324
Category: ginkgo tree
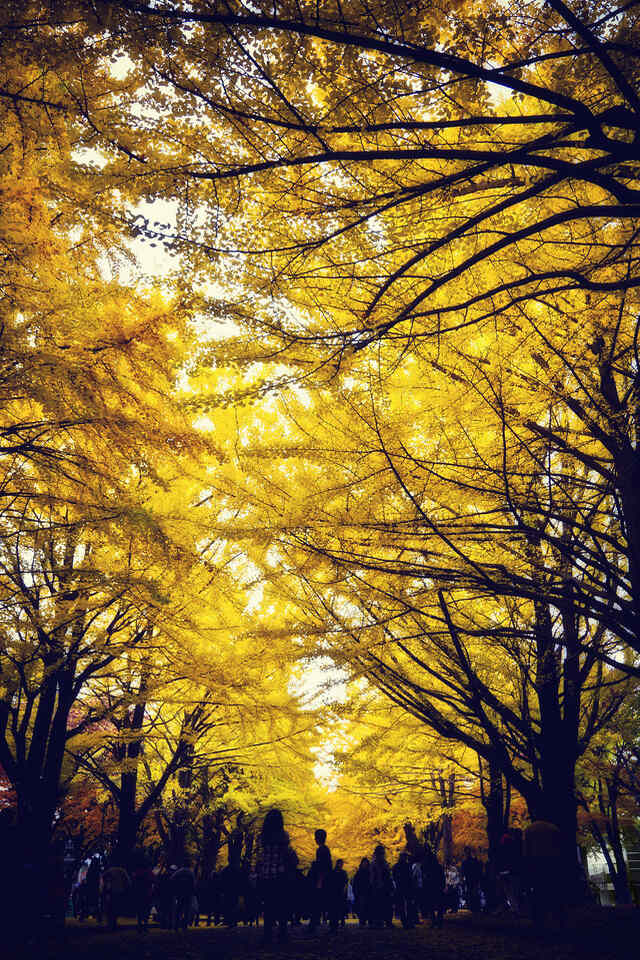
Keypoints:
pixel 382 211
pixel 408 775
pixel 445 558
pixel 184 714
pixel 393 171
pixel 370 204
pixel 105 564
pixel 389 171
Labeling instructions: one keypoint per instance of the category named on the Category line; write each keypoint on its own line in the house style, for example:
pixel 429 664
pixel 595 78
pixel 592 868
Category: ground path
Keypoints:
pixel 597 934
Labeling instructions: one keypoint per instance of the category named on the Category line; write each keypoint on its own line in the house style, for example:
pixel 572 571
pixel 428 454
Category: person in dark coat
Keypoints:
pixel 510 867
pixel 381 889
pixel 361 884
pixel 404 891
pixel 471 870
pixel 183 887
pixel 432 887
pixel 337 895
pixel 213 899
pixel 230 885
pixel 142 883
pixel 115 889
pixel 92 882
pixel 301 896
pixel 275 868
pixel 164 897
pixel 319 878
pixel 250 894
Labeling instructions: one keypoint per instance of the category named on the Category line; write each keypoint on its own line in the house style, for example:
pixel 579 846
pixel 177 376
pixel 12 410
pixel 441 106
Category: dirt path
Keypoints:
pixel 598 934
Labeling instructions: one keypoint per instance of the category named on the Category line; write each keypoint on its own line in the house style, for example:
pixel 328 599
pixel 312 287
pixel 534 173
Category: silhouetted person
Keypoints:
pixel 510 868
pixel 207 892
pixel 337 894
pixel 275 867
pixel 230 883
pixel 142 882
pixel 381 889
pixel 202 896
pixel 404 891
pixel 433 887
pixel 471 870
pixel 452 889
pixel 361 885
pixel 319 874
pixel 183 887
pixel 79 899
pixel 92 883
pixel 164 897
pixel 300 896
pixel 115 888
pixel 249 893
pixel 416 882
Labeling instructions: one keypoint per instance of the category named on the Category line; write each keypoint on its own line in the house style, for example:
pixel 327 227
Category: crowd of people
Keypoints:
pixel 415 888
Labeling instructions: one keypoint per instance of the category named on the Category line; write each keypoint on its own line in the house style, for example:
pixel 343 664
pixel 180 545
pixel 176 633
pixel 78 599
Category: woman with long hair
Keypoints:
pixel 275 866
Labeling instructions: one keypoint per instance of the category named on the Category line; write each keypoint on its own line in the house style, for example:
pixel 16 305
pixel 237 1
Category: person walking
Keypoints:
pixel 416 883
pixel 510 867
pixel 433 886
pixel 115 887
pixel 183 886
pixel 404 891
pixel 142 883
pixel 93 889
pixel 275 868
pixel 471 870
pixel 319 879
pixel 230 884
pixel 361 884
pixel 164 895
pixel 452 889
pixel 337 895
pixel 381 889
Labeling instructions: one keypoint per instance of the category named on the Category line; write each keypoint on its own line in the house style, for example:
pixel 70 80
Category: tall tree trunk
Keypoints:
pixel 496 801
pixel 554 798
pixel 129 817
pixel 620 878
pixel 556 803
pixel 212 841
pixel 447 839
pixel 128 822
pixel 445 790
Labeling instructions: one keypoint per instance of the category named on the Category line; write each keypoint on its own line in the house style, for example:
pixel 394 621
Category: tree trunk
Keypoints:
pixel 211 842
pixel 620 879
pixel 447 839
pixel 554 798
pixel 128 821
pixel 557 804
pixel 496 802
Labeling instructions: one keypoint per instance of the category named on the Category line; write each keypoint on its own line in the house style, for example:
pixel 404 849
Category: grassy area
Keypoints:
pixel 601 934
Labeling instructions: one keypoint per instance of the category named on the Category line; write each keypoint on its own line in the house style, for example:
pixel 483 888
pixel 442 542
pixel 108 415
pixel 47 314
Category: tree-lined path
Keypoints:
pixel 319 451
